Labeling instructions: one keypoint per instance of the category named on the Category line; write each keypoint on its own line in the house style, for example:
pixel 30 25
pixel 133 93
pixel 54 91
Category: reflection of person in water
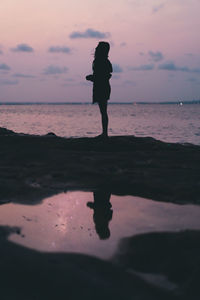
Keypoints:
pixel 102 213
pixel 102 70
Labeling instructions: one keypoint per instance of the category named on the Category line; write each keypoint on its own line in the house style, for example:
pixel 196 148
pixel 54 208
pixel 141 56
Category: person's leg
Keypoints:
pixel 104 117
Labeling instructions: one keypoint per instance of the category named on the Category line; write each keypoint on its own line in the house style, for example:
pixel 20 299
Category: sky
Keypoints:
pixel 47 46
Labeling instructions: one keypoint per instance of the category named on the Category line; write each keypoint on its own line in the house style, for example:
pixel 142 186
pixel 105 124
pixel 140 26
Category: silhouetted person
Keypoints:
pixel 102 213
pixel 102 69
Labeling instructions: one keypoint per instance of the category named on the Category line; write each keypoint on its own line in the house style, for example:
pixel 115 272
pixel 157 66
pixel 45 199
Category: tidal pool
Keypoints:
pixel 93 223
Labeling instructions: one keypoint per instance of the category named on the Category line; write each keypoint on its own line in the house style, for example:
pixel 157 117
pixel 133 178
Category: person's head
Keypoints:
pixel 102 50
pixel 102 231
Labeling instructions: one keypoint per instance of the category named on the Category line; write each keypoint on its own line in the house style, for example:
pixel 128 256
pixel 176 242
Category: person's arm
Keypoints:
pixel 109 69
pixel 90 77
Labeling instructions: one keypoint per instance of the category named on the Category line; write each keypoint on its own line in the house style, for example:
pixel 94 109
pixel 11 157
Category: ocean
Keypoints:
pixel 165 122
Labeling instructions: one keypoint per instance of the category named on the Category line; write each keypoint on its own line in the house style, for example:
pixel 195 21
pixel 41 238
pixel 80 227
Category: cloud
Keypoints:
pixel 156 8
pixel 22 48
pixel 89 33
pixel 20 75
pixel 137 3
pixel 142 68
pixel 9 82
pixel 123 44
pixel 115 76
pixel 156 56
pixel 196 70
pixel 68 82
pixel 59 49
pixel 170 66
pixel 84 83
pixel 55 70
pixel 189 54
pixel 130 82
pixel 193 80
pixel 1 52
pixel 117 68
pixel 69 79
pixel 4 67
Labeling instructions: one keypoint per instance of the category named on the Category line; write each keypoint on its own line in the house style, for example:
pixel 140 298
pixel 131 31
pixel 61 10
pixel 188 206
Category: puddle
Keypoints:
pixel 66 222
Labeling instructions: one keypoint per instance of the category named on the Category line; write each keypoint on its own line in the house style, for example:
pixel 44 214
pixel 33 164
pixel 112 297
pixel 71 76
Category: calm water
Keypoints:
pixel 65 223
pixel 171 123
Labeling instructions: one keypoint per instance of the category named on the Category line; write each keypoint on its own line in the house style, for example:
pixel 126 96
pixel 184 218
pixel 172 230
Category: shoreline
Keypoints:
pixel 34 167
pixel 150 265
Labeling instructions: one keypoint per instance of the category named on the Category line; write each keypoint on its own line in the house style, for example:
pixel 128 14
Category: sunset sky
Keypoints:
pixel 47 46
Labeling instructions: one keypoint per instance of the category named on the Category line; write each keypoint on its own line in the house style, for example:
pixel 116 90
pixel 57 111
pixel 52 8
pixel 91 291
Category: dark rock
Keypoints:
pixel 175 255
pixel 121 164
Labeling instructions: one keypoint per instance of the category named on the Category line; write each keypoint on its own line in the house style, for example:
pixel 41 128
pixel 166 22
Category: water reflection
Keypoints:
pixel 102 213
pixel 64 222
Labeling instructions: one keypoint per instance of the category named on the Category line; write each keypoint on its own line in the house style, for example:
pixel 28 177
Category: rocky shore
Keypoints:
pixel 34 167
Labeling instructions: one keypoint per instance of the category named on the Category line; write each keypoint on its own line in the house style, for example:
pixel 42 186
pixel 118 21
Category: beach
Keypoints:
pixel 99 150
pixel 37 167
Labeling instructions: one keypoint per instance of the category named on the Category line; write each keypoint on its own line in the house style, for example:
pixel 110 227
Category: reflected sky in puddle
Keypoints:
pixel 78 221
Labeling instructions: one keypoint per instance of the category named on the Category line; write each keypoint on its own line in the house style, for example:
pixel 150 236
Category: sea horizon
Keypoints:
pixel 169 122
pixel 189 102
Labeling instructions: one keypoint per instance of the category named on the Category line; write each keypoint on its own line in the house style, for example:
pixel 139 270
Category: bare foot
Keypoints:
pixel 102 136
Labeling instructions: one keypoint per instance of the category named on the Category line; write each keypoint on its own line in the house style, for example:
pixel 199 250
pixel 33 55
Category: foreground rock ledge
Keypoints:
pixel 33 167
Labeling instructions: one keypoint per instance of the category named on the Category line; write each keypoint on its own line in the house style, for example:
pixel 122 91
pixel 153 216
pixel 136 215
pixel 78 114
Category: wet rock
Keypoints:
pixel 33 167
